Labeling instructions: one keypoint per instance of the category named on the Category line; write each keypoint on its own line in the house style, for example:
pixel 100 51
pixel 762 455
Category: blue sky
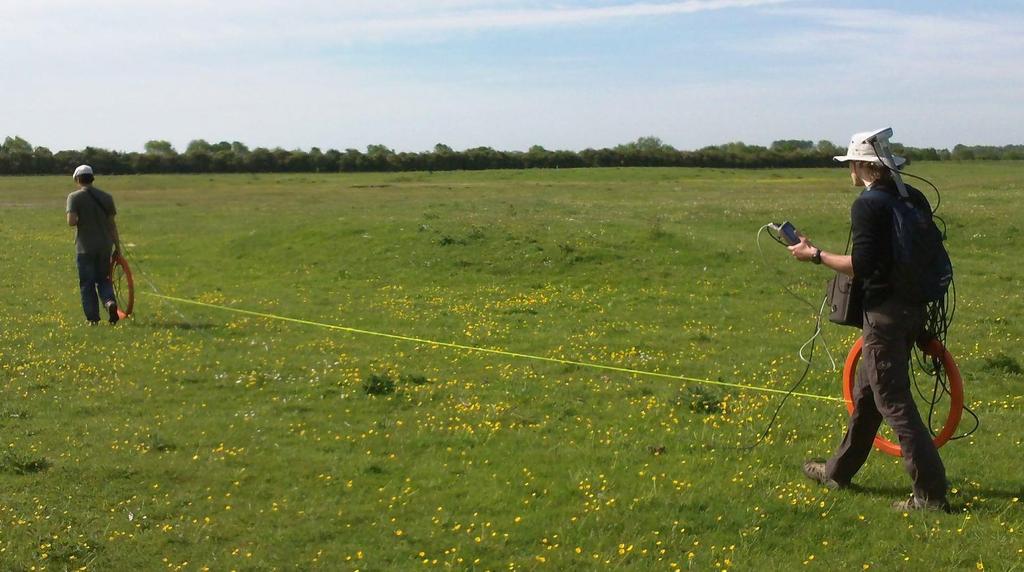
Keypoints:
pixel 509 73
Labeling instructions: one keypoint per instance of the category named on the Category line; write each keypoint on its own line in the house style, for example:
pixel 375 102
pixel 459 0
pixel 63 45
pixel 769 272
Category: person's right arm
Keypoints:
pixel 805 250
pixel 72 212
pixel 842 263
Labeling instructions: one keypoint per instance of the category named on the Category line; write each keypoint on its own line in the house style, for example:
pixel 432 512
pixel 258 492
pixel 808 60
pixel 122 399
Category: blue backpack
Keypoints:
pixel 921 271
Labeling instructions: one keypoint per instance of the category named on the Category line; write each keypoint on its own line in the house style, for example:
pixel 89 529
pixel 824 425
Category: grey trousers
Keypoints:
pixel 882 391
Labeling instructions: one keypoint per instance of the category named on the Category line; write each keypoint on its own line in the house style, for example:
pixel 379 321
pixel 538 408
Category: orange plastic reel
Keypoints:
pixel 124 285
pixel 933 348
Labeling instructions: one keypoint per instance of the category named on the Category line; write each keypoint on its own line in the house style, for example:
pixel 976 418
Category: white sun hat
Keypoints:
pixel 82 170
pixel 862 149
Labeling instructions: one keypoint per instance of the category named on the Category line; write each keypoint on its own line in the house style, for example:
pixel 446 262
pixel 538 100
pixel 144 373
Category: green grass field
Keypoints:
pixel 193 438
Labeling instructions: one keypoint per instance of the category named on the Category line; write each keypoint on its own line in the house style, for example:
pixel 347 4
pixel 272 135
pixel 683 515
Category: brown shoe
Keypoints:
pixel 815 470
pixel 916 503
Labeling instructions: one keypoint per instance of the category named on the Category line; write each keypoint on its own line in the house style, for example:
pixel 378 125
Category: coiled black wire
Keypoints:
pixel 940 315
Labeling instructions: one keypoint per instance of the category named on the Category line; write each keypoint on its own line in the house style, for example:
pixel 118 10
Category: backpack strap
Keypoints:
pixel 878 193
pixel 891 199
pixel 106 221
pixel 97 200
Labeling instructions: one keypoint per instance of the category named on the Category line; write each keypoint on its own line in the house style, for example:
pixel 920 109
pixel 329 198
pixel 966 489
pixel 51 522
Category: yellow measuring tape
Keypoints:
pixel 490 351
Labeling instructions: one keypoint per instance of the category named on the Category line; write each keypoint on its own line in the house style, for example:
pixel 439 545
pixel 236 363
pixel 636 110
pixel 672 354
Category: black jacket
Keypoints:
pixel 872 239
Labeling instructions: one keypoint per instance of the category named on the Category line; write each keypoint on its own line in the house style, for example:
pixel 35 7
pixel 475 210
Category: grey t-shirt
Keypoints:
pixel 93 236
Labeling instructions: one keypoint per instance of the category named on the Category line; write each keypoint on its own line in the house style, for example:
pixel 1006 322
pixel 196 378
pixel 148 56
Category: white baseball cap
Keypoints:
pixel 861 149
pixel 82 170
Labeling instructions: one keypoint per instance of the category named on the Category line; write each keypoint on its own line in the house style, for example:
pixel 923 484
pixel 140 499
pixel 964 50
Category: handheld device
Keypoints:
pixel 786 233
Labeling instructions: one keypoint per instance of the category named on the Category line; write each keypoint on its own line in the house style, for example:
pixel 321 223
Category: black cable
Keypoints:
pixel 793 388
pixel 777 239
pixel 939 319
pixel 807 368
pixel 938 195
pixel 808 361
pixel 789 393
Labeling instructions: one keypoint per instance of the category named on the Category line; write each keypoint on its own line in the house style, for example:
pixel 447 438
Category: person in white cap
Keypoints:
pixel 891 326
pixel 91 211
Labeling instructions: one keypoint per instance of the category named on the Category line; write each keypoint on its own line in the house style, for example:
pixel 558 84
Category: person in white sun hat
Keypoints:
pixel 91 211
pixel 891 326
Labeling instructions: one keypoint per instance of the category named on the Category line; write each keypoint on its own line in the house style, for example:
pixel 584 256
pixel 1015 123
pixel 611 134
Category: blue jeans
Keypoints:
pixel 93 277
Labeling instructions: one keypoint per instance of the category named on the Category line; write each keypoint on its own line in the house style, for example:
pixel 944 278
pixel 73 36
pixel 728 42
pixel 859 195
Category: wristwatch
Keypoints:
pixel 816 258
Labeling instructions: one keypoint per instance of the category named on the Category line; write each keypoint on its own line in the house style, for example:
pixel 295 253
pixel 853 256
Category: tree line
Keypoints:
pixel 19 157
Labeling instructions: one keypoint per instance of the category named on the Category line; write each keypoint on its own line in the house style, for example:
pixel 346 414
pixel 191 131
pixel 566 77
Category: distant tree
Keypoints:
pixel 1013 152
pixel 42 160
pixel 159 147
pixel 480 158
pixel 332 161
pixel 315 159
pixel 538 157
pixel 224 160
pixel 222 146
pixel 443 158
pixel 785 145
pixel 260 160
pixel 566 160
pixel 652 144
pixel 927 154
pixel 352 161
pixel 66 161
pixel 406 161
pixel 198 146
pixel 281 157
pixel 16 145
pixel 962 153
pixel 378 158
pixel 828 148
pixel 647 151
pixel 16 156
pixel 297 162
pixel 600 158
pixel 105 161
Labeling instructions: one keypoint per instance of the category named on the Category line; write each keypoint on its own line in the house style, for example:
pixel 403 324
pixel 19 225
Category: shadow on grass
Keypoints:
pixel 958 502
pixel 886 491
pixel 992 493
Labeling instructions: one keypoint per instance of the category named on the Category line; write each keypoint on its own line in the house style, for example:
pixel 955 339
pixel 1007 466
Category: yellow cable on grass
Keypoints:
pixel 490 351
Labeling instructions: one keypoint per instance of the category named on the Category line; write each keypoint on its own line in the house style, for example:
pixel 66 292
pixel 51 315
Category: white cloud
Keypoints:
pixel 110 25
pixel 940 79
pixel 896 43
pixel 479 20
pixel 119 73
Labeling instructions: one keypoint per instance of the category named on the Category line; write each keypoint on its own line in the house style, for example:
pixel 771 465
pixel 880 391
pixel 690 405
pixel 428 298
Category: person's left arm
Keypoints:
pixel 115 235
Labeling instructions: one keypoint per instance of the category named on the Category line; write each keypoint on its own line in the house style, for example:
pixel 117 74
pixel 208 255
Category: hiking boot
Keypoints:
pixel 916 503
pixel 815 470
pixel 112 312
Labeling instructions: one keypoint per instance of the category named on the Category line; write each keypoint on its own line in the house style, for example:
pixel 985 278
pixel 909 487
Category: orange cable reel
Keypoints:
pixel 933 348
pixel 124 285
